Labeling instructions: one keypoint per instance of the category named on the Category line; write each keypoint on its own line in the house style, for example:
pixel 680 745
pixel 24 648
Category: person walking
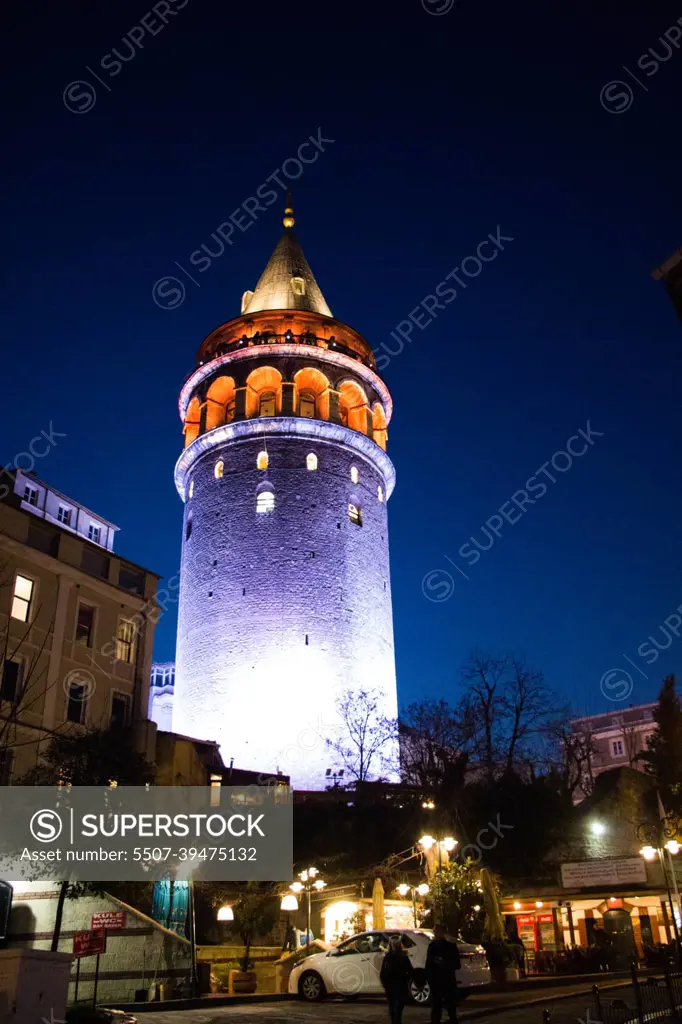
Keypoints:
pixel 442 963
pixel 396 971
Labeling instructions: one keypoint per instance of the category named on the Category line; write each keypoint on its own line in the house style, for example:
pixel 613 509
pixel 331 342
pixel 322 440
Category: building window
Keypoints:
pixel 22 598
pixel 6 763
pixel 311 461
pixel 131 579
pixel 380 493
pixel 265 501
pixel 219 469
pixel 85 622
pixel 11 680
pixel 617 748
pixel 298 286
pixel 64 515
pixel 30 495
pixel 191 488
pixel 94 532
pixel 354 475
pixel 125 641
pixel 355 514
pixel 267 403
pixel 306 405
pixel 262 460
pixel 120 710
pixel 96 563
pixel 75 705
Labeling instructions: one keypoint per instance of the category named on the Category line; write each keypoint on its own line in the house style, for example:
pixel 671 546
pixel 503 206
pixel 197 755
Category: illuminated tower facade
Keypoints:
pixel 285 595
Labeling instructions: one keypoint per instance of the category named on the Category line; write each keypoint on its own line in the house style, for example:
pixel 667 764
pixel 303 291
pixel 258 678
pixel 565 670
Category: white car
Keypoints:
pixel 352 968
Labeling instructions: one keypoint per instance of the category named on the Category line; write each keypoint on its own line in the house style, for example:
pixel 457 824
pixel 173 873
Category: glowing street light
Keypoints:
pixel 225 913
pixel 309 881
pixel 648 852
pixel 415 890
pixel 447 843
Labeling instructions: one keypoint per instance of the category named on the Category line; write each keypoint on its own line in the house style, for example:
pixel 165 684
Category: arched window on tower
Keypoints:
pixel 311 461
pixel 380 493
pixel 262 460
pixel 265 502
pixel 354 474
pixel 267 404
pixel 306 405
pixel 219 469
pixel 355 514
pixel 298 286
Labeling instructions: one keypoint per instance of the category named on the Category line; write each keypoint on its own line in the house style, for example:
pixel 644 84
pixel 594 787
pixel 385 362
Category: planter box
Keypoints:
pixel 242 982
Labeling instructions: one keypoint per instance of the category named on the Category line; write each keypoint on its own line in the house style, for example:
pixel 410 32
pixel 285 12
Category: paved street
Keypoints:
pixel 566 1011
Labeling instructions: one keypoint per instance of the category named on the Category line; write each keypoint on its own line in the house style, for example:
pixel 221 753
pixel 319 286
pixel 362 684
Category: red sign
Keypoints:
pixel 89 943
pixel 112 920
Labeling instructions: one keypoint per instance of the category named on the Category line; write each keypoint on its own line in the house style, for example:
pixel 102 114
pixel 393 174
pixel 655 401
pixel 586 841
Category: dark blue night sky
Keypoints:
pixel 446 127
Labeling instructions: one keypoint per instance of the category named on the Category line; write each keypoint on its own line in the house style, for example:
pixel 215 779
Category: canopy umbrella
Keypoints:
pixel 378 916
pixel 494 922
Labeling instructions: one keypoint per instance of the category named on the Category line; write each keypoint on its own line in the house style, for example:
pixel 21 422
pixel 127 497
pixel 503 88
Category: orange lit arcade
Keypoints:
pixel 285 597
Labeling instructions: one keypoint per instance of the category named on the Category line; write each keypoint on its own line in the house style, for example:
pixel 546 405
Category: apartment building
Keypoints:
pixel 76 624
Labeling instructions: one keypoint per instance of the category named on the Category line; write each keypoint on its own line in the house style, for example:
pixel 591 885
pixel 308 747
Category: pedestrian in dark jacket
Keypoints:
pixel 442 961
pixel 396 971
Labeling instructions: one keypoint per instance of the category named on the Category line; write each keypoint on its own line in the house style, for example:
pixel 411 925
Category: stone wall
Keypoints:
pixel 282 613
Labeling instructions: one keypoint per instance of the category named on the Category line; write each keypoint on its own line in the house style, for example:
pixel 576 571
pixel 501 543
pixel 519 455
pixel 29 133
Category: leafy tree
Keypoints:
pixel 454 892
pixel 663 758
pixel 255 913
pixel 91 759
pixel 366 741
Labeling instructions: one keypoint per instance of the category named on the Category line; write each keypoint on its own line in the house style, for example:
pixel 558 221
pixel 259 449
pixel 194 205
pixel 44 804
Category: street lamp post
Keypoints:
pixel 309 881
pixel 663 837
pixel 415 890
pixel 447 844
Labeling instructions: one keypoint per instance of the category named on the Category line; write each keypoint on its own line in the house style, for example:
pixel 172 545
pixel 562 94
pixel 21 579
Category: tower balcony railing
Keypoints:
pixel 261 338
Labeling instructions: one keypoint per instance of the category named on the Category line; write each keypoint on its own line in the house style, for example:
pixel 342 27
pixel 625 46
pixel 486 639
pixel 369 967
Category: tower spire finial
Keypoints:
pixel 289 211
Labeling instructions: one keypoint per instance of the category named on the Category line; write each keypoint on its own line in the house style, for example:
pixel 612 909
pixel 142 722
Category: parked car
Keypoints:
pixel 352 968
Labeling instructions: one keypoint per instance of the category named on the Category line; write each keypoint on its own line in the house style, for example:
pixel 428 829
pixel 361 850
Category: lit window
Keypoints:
pixel 64 515
pixel 93 533
pixel 191 488
pixel 30 495
pixel 75 707
pixel 125 641
pixel 311 461
pixel 267 403
pixel 11 680
pixel 22 598
pixel 265 501
pixel 219 469
pixel 355 514
pixel 354 474
pixel 617 747
pixel 262 460
pixel 298 286
pixel 85 621
pixel 306 405
pixel 380 493
pixel 188 529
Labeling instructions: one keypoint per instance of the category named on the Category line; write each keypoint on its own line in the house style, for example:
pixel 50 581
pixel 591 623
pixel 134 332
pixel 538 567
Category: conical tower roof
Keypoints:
pixel 287 281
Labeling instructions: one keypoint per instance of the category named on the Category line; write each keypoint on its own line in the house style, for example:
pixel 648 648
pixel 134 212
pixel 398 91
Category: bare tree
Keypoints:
pixel 366 737
pixel 435 742
pixel 570 753
pixel 507 704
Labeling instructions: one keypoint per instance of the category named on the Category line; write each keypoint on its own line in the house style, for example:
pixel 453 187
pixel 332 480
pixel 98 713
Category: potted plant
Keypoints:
pixel 500 957
pixel 254 914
